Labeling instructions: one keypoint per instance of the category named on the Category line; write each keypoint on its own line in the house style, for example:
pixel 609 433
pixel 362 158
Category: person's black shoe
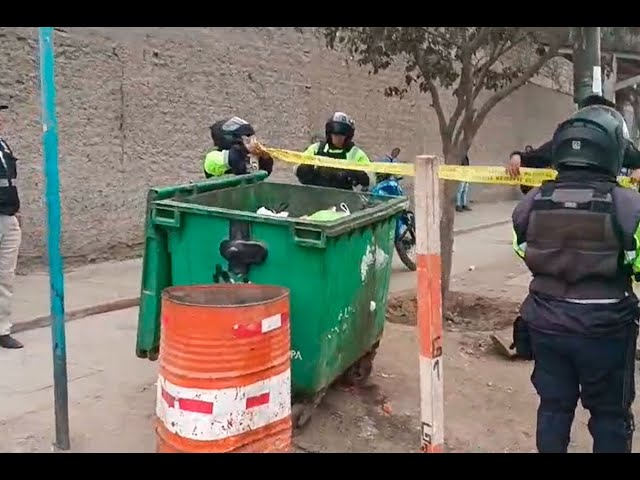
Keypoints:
pixel 459 209
pixel 467 208
pixel 7 341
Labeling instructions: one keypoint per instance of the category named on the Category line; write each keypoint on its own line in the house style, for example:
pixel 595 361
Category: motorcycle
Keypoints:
pixel 405 233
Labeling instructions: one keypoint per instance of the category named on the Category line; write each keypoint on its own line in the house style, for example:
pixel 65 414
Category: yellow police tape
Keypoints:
pixel 377 167
pixel 531 177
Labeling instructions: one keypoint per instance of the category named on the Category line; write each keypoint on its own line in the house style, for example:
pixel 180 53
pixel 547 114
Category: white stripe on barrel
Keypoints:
pixel 209 415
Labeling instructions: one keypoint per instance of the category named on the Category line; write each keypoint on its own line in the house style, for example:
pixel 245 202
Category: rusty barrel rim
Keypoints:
pixel 220 294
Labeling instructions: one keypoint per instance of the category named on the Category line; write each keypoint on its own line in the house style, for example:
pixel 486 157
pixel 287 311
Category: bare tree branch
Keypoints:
pixel 551 52
pixel 498 53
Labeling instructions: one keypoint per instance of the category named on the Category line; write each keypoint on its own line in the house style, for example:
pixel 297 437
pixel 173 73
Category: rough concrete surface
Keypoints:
pixel 134 105
pixel 489 402
pixel 85 287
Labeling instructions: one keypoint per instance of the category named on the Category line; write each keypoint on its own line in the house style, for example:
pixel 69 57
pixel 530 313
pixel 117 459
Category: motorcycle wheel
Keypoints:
pixel 405 244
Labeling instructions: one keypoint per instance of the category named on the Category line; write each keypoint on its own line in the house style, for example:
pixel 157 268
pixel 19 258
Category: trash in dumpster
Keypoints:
pixel 330 214
pixel 270 213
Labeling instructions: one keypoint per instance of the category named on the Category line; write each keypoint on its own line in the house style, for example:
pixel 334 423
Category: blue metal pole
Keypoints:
pixel 56 272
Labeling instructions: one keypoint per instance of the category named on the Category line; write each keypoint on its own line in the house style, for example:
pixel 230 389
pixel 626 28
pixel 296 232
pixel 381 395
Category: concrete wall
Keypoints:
pixel 134 106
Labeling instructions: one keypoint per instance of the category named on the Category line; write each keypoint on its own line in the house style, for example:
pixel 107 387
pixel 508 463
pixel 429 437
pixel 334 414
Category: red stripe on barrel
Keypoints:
pixel 199 406
pixel 195 406
pixel 167 397
pixel 258 400
pixel 259 328
pixel 186 404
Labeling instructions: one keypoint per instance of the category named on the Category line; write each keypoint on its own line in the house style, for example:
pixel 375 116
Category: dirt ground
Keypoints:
pixel 463 312
pixel 383 416
pixel 490 405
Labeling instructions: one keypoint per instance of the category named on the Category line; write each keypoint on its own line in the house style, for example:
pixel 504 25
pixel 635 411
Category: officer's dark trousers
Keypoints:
pixel 599 372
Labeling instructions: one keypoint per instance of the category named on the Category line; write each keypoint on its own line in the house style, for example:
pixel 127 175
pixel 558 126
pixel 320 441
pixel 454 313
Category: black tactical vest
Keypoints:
pixel 9 200
pixel 324 151
pixel 575 248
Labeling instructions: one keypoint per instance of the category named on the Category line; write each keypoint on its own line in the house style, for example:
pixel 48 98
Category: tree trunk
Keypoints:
pixel 446 233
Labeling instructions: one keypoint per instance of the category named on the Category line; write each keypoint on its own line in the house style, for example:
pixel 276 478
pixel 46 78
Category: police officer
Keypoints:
pixel 10 237
pixel 579 323
pixel 234 150
pixel 338 144
pixel 541 157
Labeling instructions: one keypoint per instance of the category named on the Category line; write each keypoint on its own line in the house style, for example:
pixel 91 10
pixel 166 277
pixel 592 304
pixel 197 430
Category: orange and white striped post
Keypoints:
pixel 429 296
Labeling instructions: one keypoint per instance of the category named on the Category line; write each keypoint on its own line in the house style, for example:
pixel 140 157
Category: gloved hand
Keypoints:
pixel 238 160
pixel 265 163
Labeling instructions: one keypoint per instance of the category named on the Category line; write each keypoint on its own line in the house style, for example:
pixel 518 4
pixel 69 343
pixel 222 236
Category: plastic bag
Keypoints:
pixel 329 215
pixel 270 213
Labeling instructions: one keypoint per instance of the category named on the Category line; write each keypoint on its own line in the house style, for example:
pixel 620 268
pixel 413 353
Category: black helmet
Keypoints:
pixel 228 132
pixel 595 137
pixel 340 124
pixel 596 99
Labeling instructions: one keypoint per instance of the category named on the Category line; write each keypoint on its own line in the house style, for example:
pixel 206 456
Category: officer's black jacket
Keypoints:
pixel 556 316
pixel 541 157
pixel 9 199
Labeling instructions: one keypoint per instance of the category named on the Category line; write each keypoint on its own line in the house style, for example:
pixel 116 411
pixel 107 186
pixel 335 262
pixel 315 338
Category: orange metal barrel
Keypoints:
pixel 225 378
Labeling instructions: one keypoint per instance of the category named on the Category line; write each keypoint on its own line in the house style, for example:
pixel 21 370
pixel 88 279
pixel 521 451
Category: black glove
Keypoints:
pixel 522 339
pixel 265 163
pixel 238 160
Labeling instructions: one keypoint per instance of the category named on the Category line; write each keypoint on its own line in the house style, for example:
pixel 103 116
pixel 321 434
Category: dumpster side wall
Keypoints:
pixel 134 106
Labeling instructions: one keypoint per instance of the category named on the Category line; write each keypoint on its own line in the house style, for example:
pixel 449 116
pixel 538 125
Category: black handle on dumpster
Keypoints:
pixel 241 254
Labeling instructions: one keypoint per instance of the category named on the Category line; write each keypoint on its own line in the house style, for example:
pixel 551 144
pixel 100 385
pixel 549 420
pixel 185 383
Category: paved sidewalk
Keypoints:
pixel 85 287
pixel 107 282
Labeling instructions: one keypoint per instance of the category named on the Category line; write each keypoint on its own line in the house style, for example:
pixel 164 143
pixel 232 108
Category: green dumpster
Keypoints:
pixel 338 272
pixel 156 265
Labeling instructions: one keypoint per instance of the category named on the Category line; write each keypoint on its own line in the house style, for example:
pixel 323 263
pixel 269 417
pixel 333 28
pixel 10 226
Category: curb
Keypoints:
pixel 45 320
pixel 484 226
pixel 123 304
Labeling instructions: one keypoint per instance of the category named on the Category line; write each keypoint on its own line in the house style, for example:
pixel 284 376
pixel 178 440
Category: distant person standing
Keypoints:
pixel 389 158
pixel 10 237
pixel 392 157
pixel 462 194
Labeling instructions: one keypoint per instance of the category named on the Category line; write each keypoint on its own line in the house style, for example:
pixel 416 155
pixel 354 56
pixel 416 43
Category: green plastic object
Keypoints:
pixel 338 271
